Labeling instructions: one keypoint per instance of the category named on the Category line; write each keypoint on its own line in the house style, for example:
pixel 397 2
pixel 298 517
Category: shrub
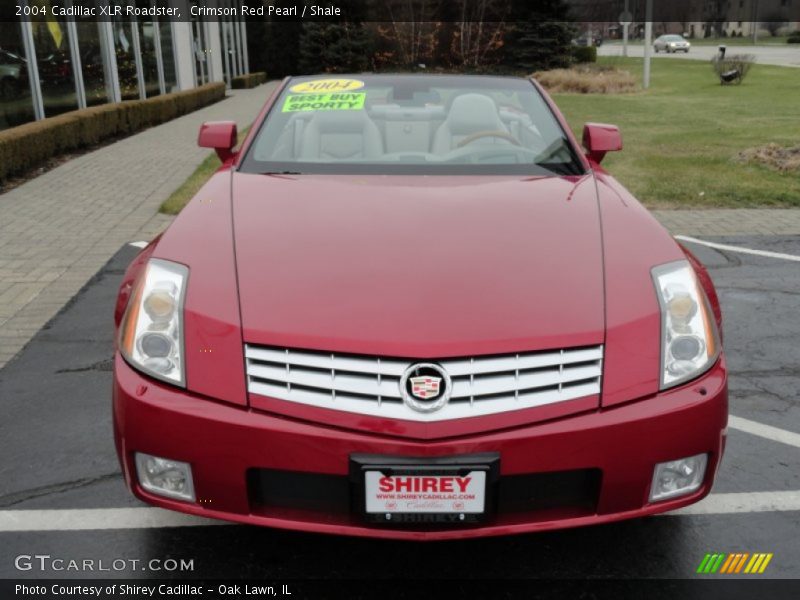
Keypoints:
pixel 540 37
pixel 250 80
pixel 794 38
pixel 343 47
pixel 27 146
pixel 584 54
pixel 587 79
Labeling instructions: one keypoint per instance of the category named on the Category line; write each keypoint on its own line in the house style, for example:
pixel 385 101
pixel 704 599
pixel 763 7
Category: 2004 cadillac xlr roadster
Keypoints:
pixel 414 307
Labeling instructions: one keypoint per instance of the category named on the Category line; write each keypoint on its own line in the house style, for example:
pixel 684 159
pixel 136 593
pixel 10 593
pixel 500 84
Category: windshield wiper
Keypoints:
pixel 281 173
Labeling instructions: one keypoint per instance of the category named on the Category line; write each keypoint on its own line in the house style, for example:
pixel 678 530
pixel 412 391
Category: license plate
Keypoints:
pixel 425 494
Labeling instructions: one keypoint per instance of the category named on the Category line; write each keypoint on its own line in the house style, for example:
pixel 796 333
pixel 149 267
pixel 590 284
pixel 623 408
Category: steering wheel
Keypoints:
pixel 497 133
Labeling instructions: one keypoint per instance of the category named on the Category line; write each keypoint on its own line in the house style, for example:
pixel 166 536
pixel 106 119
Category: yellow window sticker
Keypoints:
pixel 335 101
pixel 327 85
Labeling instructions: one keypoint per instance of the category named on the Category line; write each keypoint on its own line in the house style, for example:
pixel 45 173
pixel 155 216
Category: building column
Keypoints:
pixel 239 61
pixel 184 54
pixel 33 68
pixel 109 55
pixel 137 58
pixel 214 47
pixel 162 86
pixel 77 68
pixel 245 57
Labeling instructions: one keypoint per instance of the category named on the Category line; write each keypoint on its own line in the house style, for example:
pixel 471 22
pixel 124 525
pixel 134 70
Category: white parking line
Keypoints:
pixel 766 431
pixel 138 244
pixel 730 248
pixel 747 502
pixel 85 519
pixel 79 519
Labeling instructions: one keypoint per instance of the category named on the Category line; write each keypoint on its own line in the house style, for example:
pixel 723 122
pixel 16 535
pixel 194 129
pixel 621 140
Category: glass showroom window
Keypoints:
pixel 16 105
pixel 226 32
pixel 56 76
pixel 200 50
pixel 147 43
pixel 91 53
pixel 126 58
pixel 167 55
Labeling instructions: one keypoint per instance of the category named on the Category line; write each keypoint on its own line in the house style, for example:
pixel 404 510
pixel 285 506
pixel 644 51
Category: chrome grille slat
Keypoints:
pixel 496 384
pixel 326 361
pixel 495 364
pixel 369 385
pixel 339 381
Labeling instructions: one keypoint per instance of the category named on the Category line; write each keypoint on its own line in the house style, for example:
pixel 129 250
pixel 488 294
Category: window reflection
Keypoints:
pixel 55 66
pixel 147 43
pixel 167 55
pixel 126 61
pixel 91 52
pixel 16 105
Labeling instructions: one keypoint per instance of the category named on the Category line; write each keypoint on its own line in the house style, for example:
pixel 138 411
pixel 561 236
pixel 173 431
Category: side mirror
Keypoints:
pixel 219 135
pixel 599 138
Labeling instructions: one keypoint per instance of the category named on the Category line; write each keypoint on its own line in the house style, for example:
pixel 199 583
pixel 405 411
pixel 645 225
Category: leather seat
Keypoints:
pixel 340 135
pixel 469 114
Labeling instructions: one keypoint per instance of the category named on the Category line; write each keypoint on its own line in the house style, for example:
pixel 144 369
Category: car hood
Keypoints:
pixel 418 266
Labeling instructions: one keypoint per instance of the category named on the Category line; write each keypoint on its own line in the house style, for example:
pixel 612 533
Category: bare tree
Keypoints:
pixel 475 36
pixel 412 27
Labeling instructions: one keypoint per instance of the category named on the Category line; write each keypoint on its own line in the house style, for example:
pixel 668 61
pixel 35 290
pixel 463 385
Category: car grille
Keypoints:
pixel 370 384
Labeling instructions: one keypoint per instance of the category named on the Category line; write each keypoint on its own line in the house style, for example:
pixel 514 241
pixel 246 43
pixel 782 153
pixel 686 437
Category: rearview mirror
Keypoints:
pixel 219 135
pixel 599 138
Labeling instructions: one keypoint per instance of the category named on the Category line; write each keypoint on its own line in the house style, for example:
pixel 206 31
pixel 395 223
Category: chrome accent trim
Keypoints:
pixel 371 385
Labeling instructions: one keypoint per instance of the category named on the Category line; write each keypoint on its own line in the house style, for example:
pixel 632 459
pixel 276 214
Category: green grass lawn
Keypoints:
pixel 682 136
pixel 763 40
pixel 180 197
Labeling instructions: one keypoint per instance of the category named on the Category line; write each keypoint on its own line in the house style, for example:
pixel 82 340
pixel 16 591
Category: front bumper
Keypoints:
pixel 600 462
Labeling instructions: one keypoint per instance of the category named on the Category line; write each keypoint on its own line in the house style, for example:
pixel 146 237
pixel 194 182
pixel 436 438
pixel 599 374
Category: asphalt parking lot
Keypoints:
pixel 57 455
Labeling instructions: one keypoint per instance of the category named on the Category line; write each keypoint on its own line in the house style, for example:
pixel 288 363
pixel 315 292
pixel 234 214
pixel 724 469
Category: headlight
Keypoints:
pixel 689 339
pixel 151 334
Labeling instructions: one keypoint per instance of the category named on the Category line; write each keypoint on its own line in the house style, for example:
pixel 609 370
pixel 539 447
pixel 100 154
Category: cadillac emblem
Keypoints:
pixel 425 387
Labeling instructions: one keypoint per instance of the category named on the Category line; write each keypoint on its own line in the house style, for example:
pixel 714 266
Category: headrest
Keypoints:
pixel 473 112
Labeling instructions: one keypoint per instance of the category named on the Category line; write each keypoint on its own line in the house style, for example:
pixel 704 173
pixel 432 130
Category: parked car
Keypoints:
pixel 412 306
pixel 671 43
pixel 584 41
pixel 13 74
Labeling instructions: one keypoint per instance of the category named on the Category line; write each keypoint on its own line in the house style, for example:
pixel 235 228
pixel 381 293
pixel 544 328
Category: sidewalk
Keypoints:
pixel 731 221
pixel 58 229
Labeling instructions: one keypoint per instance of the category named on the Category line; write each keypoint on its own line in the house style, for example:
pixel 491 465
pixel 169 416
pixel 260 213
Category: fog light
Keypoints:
pixel 678 477
pixel 164 477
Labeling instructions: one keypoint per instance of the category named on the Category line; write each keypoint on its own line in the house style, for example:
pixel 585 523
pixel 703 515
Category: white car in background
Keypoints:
pixel 671 43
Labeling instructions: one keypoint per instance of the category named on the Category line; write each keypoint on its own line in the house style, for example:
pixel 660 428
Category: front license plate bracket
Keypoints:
pixel 486 465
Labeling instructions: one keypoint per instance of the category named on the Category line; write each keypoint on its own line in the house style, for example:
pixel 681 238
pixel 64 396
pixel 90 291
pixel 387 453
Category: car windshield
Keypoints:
pixel 407 124
pixel 673 38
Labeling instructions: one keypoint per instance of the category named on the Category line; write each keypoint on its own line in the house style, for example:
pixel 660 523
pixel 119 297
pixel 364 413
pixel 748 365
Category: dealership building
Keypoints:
pixel 50 64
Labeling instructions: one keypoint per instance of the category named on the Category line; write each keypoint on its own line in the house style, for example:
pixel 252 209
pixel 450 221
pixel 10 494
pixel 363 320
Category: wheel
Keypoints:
pixel 655 49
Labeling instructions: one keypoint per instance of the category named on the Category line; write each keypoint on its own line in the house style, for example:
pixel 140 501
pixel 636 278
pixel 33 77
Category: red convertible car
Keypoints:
pixel 415 307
